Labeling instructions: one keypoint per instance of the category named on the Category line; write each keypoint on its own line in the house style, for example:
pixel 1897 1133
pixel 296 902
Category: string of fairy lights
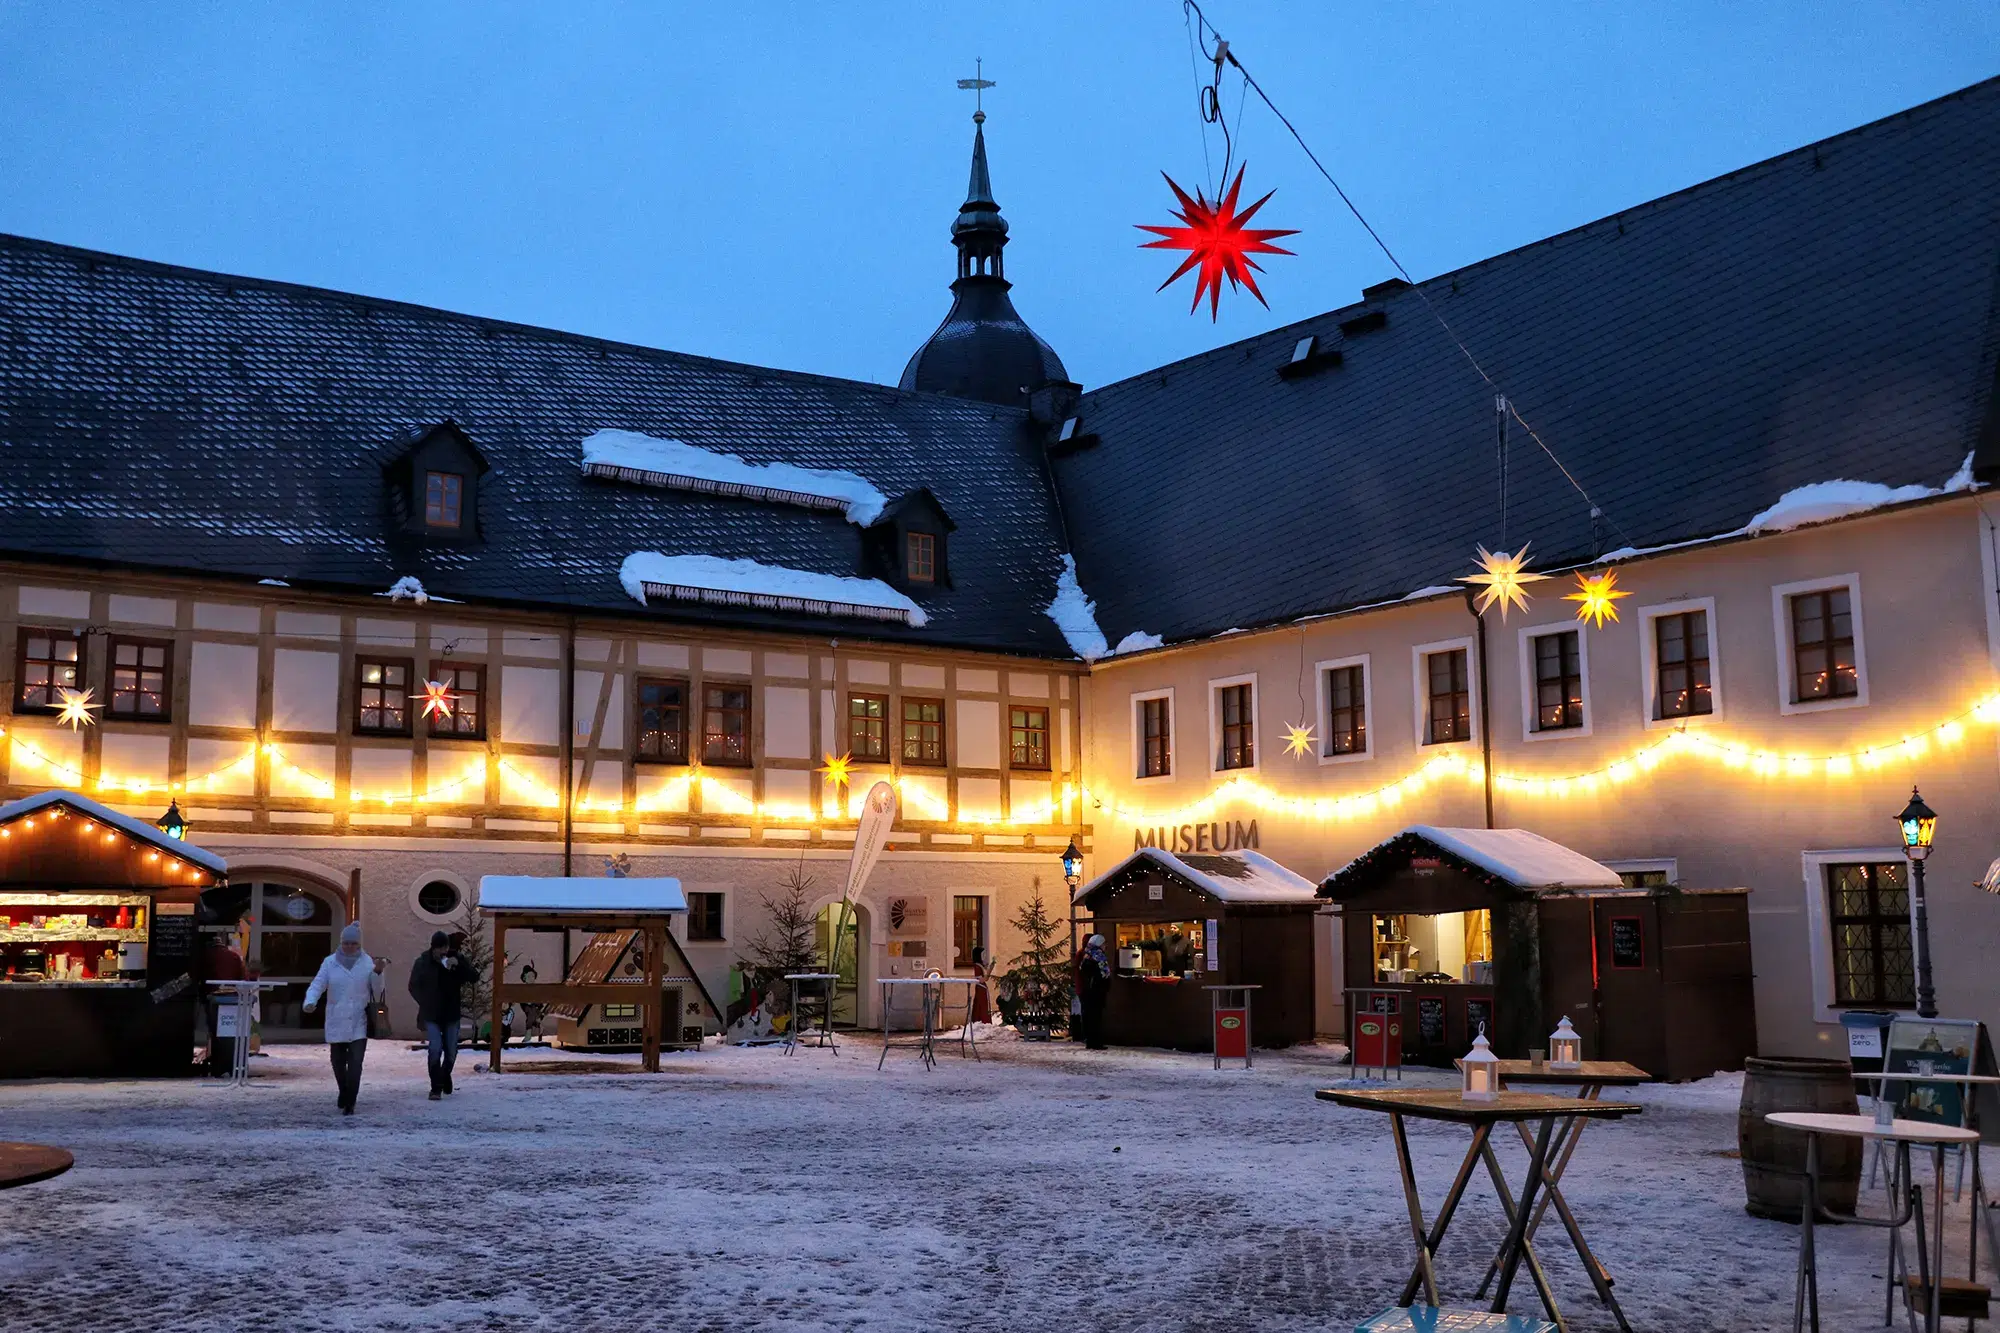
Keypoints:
pixel 519 787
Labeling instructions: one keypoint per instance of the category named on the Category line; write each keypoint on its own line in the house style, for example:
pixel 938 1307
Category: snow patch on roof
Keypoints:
pixel 406 589
pixel 1138 641
pixel 517 893
pixel 775 587
pixel 1525 859
pixel 1076 615
pixel 676 461
pixel 1824 500
pixel 1234 877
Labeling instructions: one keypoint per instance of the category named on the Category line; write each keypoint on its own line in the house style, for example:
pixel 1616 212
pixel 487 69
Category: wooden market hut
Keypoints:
pixel 100 970
pixel 1173 924
pixel 557 904
pixel 618 958
pixel 1454 927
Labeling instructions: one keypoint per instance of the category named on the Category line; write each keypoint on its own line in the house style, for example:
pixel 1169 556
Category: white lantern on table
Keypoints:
pixel 1565 1047
pixel 1480 1071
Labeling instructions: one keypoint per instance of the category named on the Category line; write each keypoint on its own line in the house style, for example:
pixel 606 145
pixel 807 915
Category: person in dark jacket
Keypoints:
pixel 437 982
pixel 1093 987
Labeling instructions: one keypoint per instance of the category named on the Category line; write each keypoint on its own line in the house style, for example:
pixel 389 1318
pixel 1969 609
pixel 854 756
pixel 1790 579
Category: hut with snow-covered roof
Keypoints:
pixel 1452 928
pixel 1174 923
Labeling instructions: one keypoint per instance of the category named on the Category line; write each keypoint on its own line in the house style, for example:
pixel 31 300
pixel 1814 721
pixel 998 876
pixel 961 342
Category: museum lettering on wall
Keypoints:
pixel 1228 836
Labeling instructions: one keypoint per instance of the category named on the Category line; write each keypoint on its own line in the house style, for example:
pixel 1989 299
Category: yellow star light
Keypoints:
pixel 1596 595
pixel 1298 741
pixel 835 770
pixel 76 709
pixel 1504 578
pixel 438 699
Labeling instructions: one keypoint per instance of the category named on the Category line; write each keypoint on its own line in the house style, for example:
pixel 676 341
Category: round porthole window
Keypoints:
pixel 438 898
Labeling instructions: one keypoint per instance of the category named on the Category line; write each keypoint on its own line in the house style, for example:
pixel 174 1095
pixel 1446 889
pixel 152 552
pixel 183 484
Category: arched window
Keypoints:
pixel 284 932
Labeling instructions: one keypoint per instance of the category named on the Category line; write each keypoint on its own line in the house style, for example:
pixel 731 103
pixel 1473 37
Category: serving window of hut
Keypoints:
pixel 1159 948
pixel 1450 946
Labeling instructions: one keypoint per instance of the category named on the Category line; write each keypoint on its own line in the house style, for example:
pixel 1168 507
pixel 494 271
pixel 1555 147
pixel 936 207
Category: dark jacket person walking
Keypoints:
pixel 437 982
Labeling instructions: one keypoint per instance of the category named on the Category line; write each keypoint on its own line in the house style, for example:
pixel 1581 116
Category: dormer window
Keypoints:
pixel 920 564
pixel 444 499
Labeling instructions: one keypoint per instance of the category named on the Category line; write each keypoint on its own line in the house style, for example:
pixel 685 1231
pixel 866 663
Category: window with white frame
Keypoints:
pixel 1555 665
pixel 1232 721
pixel 1858 919
pixel 1153 734
pixel 1344 708
pixel 1822 660
pixel 1443 679
pixel 1679 662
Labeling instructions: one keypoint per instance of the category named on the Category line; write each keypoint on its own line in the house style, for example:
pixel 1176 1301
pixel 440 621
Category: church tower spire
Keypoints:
pixel 984 349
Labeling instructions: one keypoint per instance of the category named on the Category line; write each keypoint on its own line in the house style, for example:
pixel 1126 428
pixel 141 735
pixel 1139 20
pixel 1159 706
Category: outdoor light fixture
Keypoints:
pixel 1565 1047
pixel 1919 826
pixel 172 823
pixel 1072 860
pixel 1480 1070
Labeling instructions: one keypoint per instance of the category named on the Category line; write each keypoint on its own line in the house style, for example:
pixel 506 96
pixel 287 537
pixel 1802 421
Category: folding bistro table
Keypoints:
pixel 1590 1079
pixel 807 988
pixel 1519 1108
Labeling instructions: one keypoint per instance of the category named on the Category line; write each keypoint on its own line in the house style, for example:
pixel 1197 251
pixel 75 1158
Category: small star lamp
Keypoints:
pixel 1565 1047
pixel 1479 1071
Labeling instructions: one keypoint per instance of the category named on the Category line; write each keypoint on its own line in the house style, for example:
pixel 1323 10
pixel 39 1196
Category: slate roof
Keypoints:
pixel 1825 314
pixel 170 418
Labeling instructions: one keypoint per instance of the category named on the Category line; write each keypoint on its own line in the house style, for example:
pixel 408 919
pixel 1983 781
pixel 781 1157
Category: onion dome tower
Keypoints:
pixel 983 350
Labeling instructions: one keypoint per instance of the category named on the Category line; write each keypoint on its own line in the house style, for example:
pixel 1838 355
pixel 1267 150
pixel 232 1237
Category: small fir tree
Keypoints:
pixel 1035 990
pixel 790 942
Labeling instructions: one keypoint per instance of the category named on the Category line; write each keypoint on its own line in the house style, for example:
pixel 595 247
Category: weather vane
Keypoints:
pixel 978 83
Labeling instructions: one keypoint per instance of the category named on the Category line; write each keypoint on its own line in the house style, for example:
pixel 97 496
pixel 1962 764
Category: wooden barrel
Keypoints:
pixel 1774 1159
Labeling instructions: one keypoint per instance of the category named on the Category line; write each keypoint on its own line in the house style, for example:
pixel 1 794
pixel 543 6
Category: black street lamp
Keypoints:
pixel 172 823
pixel 1919 825
pixel 1072 866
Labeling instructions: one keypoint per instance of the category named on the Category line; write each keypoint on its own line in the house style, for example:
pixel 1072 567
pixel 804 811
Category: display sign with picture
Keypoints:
pixel 1940 1046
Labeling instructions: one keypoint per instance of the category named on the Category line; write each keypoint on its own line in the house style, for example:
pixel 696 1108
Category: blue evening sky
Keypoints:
pixel 774 183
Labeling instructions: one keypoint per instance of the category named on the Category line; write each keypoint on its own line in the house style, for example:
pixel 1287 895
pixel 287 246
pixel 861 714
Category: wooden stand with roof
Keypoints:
pixel 1657 977
pixel 108 983
pixel 642 906
pixel 1173 924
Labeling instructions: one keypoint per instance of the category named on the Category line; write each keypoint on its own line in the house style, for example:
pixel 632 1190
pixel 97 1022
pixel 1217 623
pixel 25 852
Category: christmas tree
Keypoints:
pixel 790 942
pixel 1035 990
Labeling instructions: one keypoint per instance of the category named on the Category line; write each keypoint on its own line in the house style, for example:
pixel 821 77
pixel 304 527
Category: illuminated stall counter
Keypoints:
pixel 1174 924
pixel 1502 927
pixel 99 969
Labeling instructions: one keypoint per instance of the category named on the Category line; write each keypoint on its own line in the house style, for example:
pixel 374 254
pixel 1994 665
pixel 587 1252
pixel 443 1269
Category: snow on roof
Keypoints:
pixel 1138 641
pixel 538 893
pixel 651 460
pixel 1825 500
pixel 1527 860
pixel 1234 877
pixel 127 824
pixel 406 589
pixel 648 575
pixel 1076 615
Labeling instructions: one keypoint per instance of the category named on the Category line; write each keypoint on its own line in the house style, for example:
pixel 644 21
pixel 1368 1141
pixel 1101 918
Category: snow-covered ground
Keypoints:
pixel 1043 1188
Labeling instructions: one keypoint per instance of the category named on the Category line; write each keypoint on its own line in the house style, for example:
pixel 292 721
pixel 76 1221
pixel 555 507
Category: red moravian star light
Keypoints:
pixel 1218 242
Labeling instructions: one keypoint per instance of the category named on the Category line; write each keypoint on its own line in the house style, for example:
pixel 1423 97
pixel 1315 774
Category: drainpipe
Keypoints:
pixel 568 709
pixel 1485 709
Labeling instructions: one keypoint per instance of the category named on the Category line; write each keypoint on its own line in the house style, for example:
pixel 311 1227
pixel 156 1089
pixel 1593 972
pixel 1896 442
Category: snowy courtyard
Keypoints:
pixel 1042 1188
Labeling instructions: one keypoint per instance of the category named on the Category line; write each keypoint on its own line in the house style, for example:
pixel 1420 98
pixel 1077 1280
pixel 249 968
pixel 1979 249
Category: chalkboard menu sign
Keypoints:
pixel 173 931
pixel 1430 1020
pixel 1628 942
pixel 1478 1013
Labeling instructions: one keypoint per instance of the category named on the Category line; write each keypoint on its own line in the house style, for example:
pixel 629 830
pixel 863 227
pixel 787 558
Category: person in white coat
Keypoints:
pixel 351 982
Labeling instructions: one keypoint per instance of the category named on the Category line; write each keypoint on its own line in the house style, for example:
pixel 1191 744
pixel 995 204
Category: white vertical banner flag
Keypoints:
pixel 871 836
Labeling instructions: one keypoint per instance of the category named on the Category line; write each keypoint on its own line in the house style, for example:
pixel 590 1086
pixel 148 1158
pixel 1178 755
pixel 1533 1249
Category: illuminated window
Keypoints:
pixel 923 731
pixel 922 561
pixel 663 721
pixel 382 697
pixel 1823 661
pixel 467 718
pixel 618 1011
pixel 1028 737
pixel 1558 681
pixel 1450 715
pixel 141 677
pixel 444 497
pixel 868 726
pixel 1680 645
pixel 1156 741
pixel 725 725
pixel 47 662
pixel 1868 909
pixel 1346 711
pixel 1236 707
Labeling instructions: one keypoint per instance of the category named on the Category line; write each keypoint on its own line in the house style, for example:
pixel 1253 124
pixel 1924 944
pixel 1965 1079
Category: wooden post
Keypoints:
pixel 655 955
pixel 499 973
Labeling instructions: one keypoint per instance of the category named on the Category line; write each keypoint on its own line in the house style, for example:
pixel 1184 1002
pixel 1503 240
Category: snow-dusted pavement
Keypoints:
pixel 1042 1189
